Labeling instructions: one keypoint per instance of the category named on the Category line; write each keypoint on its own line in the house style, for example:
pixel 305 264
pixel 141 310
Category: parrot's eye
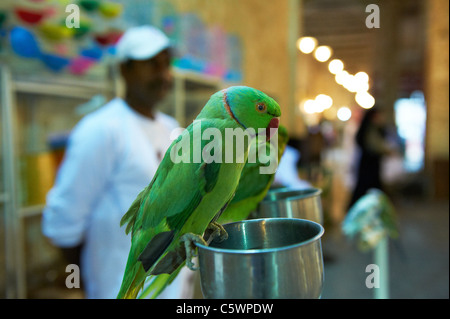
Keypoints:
pixel 261 107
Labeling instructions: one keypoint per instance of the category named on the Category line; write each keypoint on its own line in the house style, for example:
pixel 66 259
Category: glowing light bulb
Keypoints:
pixel 365 100
pixel 350 83
pixel 306 44
pixel 309 106
pixel 344 113
pixel 362 77
pixel 324 101
pixel 341 77
pixel 336 66
pixel 361 86
pixel 322 53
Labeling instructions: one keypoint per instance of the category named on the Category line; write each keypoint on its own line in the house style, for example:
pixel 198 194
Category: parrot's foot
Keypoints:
pixel 189 240
pixel 215 231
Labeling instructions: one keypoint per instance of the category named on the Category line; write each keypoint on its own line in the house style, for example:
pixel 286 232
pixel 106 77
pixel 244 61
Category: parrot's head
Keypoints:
pixel 252 108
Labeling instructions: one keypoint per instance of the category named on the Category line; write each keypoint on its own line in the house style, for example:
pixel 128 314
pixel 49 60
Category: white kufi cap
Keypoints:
pixel 141 43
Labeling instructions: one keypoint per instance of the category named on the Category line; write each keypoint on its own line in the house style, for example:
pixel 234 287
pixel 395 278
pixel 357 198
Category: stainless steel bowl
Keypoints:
pixel 264 258
pixel 293 203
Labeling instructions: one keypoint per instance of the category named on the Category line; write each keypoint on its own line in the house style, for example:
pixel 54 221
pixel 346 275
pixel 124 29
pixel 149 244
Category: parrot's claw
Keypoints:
pixel 216 231
pixel 189 240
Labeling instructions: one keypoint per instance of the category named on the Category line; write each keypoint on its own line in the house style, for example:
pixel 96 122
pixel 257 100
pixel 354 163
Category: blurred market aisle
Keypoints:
pixel 419 259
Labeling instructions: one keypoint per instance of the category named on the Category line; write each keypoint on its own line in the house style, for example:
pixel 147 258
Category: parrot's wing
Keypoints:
pixel 174 192
pixel 161 210
pixel 253 186
pixel 251 182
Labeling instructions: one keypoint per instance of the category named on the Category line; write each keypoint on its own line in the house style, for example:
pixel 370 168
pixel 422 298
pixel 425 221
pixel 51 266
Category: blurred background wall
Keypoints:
pixel 436 89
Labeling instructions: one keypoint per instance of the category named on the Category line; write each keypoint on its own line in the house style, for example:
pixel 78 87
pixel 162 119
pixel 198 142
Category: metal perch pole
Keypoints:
pixel 381 254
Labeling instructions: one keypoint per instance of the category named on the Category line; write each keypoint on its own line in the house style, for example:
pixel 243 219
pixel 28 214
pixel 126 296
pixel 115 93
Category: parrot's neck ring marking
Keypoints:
pixel 228 109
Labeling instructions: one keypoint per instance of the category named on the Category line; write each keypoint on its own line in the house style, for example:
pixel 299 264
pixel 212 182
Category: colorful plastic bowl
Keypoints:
pixel 29 16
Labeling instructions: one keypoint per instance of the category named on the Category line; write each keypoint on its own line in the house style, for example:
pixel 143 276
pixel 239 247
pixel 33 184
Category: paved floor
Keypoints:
pixel 418 260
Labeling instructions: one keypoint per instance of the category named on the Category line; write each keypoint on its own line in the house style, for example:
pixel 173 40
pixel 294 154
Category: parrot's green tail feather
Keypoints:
pixel 159 283
pixel 133 282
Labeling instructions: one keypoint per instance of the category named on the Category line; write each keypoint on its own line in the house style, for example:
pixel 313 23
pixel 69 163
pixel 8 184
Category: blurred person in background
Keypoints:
pixel 287 174
pixel 111 156
pixel 373 146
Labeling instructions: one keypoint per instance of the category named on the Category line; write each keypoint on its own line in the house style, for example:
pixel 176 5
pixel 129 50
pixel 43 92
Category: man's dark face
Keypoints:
pixel 148 81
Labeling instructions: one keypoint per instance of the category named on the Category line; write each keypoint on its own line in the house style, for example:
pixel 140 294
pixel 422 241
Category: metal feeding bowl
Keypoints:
pixel 264 258
pixel 293 203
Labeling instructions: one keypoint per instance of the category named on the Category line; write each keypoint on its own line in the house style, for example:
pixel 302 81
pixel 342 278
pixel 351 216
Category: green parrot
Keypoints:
pixel 253 186
pixel 187 195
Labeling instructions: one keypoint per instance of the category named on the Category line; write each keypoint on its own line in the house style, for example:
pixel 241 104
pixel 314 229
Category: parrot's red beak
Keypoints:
pixel 273 124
